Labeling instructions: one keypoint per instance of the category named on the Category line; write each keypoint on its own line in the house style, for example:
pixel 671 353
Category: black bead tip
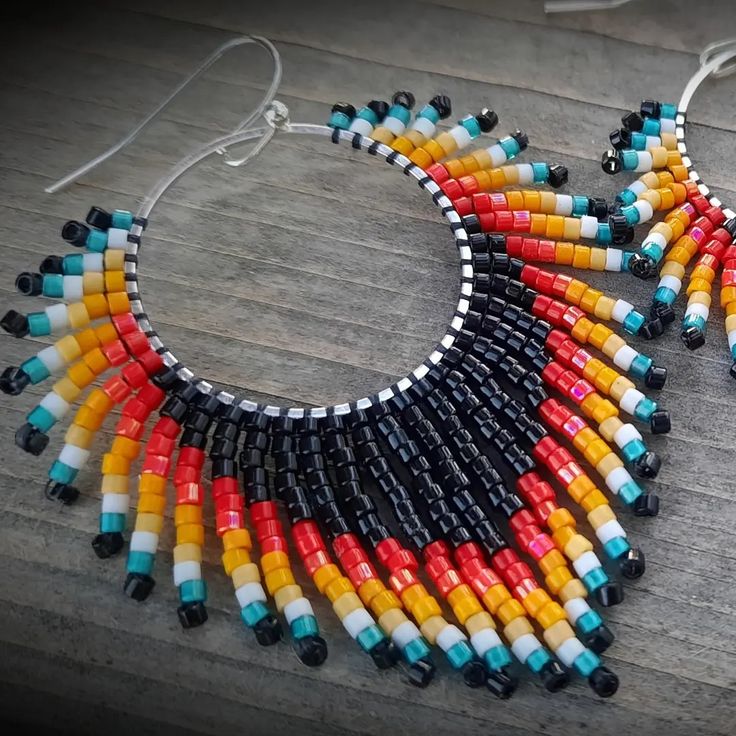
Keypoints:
pixel 632 121
pixel 633 564
pixel 554 677
pixel 642 266
pixel 656 377
pixel 29 439
pixel 693 338
pixel 660 422
pixel 599 639
pixel 379 107
pixel 75 233
pixel 603 682
pixel 97 217
pixel 610 594
pixel 652 328
pixel 501 684
pixel 557 176
pixel 107 544
pixel 421 672
pixel 663 311
pixel 29 284
pixel 443 105
pixel 647 465
pixel 650 108
pixel 403 98
pixel 345 108
pixel 620 138
pixel 474 673
pixel 15 323
pixel 385 654
pixel 646 505
pixel 268 631
pixel 597 207
pixel 138 586
pixel 61 492
pixel 52 264
pixel 192 614
pixel 13 380
pixel 610 162
pixel 311 650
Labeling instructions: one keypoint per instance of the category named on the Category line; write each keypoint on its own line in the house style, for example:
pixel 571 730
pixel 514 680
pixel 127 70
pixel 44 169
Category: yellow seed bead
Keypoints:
pixel 187 513
pixel 116 484
pixel 115 464
pixel 659 157
pixel 149 503
pixel 572 229
pixel 576 546
pixel 80 375
pixel 731 322
pixel 583 438
pixel 106 333
pixel 93 282
pixel 187 553
pixel 96 305
pixel 273 561
pixel 276 579
pixel 237 538
pixel 479 621
pixel 152 483
pixel 608 464
pixel 244 574
pixel 447 143
pixel 516 628
pixel 434 150
pixel 461 592
pixel 600 515
pixel 582 330
pixel 557 578
pixel 557 634
pixel 114 260
pixel 575 291
pixel 564 254
pixel 425 608
pixel 149 523
pixel 580 488
pixel 67 389
pixel 700 298
pixel 78 436
pixel 77 315
pixel 325 575
pixel 532 200
pixel 619 387
pixel 68 348
pixel 384 601
pixel 551 614
pixel 593 499
pixel 337 586
pixel 287 594
pixel 598 259
pixel 382 135
pixel 412 594
pixel 590 299
pixel 370 589
pixel 98 401
pixel 572 589
pixel 432 627
pixel 495 596
pixel 118 303
pixel 190 533
pixel 592 369
pixel 612 345
pixel 96 361
pixel 596 451
pixel 609 428
pixel 605 379
pixel 126 447
pixel 563 535
pixel 604 308
pixel 466 608
pixel 511 175
pixel 391 619
pixel 560 518
pixel 581 257
pixel 555 227
pixel 345 604
pixel 535 600
pixel 551 561
pixel 510 610
pixel 548 203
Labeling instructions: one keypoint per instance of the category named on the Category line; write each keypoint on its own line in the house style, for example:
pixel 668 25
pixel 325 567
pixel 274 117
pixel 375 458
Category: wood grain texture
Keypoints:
pixel 313 276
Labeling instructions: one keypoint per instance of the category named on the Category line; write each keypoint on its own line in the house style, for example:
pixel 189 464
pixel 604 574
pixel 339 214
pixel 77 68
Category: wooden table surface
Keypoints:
pixel 306 278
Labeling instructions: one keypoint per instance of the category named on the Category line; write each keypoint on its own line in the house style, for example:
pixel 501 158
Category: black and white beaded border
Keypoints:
pixel 425 182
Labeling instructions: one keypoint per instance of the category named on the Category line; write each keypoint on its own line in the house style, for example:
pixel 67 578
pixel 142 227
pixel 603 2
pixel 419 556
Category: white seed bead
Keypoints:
pixel 58 316
pixel 667 126
pixel 93 262
pixel 699 309
pixel 73 288
pixel 575 608
pixel 638 187
pixel 357 621
pixel 51 358
pixel 645 161
pixel 115 503
pixel 614 259
pixel 73 456
pixel 497 154
pixel 646 212
pixel 653 141
pixel 117 238
pixel 250 593
pixel 621 309
pixel 569 651
pixel 404 633
pixel 526 174
pixel 616 478
pixel 484 640
pixel 671 282
pixel 563 205
pixel 449 636
pixel 461 135
pixel 394 125
pixel 624 357
pixel 588 227
pixel 424 127
pixel 585 563
pixel 657 239
pixel 626 433
pixel 524 646
pixel 731 339
pixel 295 609
pixel 610 530
pixel 144 542
pixel 630 400
pixel 184 571
pixel 360 126
pixel 53 403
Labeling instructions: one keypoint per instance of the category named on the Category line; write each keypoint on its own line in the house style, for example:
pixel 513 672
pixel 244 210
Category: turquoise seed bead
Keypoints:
pixel 633 450
pixel 626 197
pixel 667 111
pixel 471 125
pixel 35 369
pixel 339 120
pixel 644 409
pixel 537 660
pixel 638 141
pixel 604 236
pixel 192 591
pixel 629 492
pixel 631 214
pixel 62 473
pixel 733 351
pixel 53 285
pixel 625 260
pixel 665 295
pixel 654 251
pixel 42 419
pixel 38 324
pixel 400 113
pixel 429 113
pixel 369 637
pixel 640 365
pixel 253 613
pixel 458 655
pixel 588 622
pixel 140 562
pixel 96 241
pixel 579 205
pixel 415 650
pixel 510 146
pixel 365 113
pixel 497 657
pixel 595 578
pixel 629 159
pixel 304 626
pixel 541 172
pixel 112 523
pixel 73 265
pixel 634 322
pixel 122 219
pixel 616 547
pixel 651 127
pixel 586 662
pixel 694 320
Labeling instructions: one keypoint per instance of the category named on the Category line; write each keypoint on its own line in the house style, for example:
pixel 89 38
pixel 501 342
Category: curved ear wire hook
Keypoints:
pixel 712 64
pixel 260 109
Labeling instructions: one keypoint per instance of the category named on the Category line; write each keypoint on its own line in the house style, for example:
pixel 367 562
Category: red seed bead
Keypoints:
pixel 271 528
pixel 437 567
pixel 545 282
pixel 447 582
pixel 522 589
pixel 136 409
pixel 125 323
pixel 438 172
pixel 385 549
pixel 273 544
pixel 304 528
pixel 504 221
pixel 521 519
pixel 130 428
pixel 453 189
pixel 540 305
pixel 352 557
pixel 157 464
pixel 483 580
pixel 224 485
pixel 544 509
pixel 468 185
pixel 167 427
pixel 522 221
pixel 527 535
pixel 543 448
pixel 569 472
pixel 229 502
pixel 400 580
pixel 115 352
pixel 117 389
pixel 540 545
pixel 503 559
pixel 547 251
pixel 189 493
pixel 468 551
pixel 191 456
pixel 403 559
pixel 263 511
pixel 515 246
pixel 715 214
pixel 308 543
pixel 186 474
pixel 481 202
pixel 151 362
pixel 529 252
pixel 436 549
pixel 159 444
pixel 344 543
pixel 134 374
pixel 360 573
pixel 136 342
pixel 151 396
pixel 226 521
pixel 529 275
pixel 464 206
pixel 313 562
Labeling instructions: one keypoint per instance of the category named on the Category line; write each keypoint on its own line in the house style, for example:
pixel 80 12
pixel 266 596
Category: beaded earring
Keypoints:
pixel 652 140
pixel 440 444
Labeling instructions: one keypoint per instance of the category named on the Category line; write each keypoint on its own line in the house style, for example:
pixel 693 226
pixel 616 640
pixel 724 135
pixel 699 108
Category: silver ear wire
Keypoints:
pixel 718 48
pixel 260 109
pixel 581 6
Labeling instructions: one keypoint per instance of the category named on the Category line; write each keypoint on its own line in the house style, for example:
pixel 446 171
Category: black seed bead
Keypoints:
pixel 14 323
pixel 632 121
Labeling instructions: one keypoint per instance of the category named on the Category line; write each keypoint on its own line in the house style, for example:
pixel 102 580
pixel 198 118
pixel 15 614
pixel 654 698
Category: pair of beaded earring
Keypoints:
pixel 439 444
